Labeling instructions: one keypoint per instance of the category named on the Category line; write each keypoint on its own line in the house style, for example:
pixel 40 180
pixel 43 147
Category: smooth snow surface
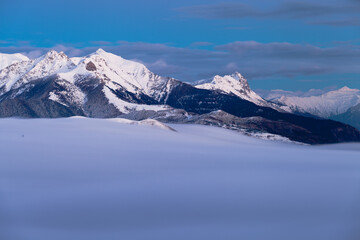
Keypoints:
pixel 92 179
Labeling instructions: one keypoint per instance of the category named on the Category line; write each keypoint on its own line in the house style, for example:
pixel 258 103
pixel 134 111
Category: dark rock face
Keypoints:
pixel 98 106
pixel 35 109
pixel 127 96
pixel 295 127
pixel 90 66
pixel 32 101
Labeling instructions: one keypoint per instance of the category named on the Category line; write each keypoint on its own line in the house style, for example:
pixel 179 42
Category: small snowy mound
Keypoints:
pixel 146 122
pixel 155 123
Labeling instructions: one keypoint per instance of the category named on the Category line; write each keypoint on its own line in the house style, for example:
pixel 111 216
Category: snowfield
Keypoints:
pixel 78 178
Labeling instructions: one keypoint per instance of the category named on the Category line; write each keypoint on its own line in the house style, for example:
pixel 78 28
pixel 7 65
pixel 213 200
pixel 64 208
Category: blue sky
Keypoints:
pixel 292 45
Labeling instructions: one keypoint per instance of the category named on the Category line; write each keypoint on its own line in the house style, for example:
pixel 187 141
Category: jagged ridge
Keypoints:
pixel 105 85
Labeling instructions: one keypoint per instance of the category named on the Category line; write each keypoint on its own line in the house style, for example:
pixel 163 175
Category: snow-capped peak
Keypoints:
pixel 100 51
pixel 107 56
pixel 346 89
pixel 238 76
pixel 109 68
pixel 112 70
pixel 46 65
pixel 53 56
pixel 51 53
pixel 115 71
pixel 237 85
pixel 50 63
pixel 8 59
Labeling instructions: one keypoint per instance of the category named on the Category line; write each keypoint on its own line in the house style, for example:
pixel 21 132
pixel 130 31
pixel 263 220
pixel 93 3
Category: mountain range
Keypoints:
pixel 341 104
pixel 104 85
pixel 325 105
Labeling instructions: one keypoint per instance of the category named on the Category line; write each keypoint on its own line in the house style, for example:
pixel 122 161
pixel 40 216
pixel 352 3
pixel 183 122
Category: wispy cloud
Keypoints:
pixel 221 10
pixel 340 23
pixel 254 59
pixel 4 42
pixel 101 42
pixel 310 12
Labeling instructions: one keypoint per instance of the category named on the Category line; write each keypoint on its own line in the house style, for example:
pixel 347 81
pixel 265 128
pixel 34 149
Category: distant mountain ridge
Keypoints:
pixel 105 85
pixel 351 116
pixel 325 105
pixel 339 104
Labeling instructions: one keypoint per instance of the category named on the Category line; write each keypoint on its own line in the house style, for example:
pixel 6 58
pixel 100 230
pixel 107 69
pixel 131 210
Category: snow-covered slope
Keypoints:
pixel 110 68
pixel 95 179
pixel 126 107
pixel 118 74
pixel 237 85
pixel 232 84
pixel 325 105
pixel 8 59
pixel 114 72
pixel 17 74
